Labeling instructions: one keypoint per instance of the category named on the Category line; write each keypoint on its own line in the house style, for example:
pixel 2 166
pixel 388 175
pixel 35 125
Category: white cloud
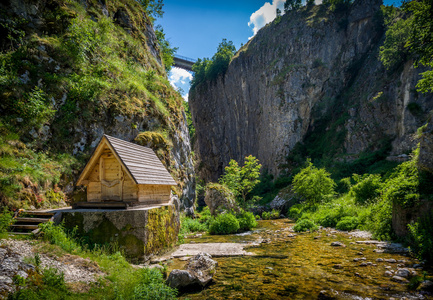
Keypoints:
pixel 179 77
pixel 265 14
pixel 185 97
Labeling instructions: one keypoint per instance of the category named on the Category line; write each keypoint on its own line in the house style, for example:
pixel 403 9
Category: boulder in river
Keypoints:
pixel 199 272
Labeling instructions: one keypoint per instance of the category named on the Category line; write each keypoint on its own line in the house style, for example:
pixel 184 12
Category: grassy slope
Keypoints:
pixel 77 69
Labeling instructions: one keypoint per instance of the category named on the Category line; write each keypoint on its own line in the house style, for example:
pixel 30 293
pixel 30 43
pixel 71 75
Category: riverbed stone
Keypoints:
pixel 388 273
pixel 338 244
pixel 390 260
pixel 327 295
pixel 405 273
pixel 399 279
pixel 199 272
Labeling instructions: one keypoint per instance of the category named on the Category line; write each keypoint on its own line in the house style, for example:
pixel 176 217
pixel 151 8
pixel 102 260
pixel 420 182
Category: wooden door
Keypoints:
pixel 111 178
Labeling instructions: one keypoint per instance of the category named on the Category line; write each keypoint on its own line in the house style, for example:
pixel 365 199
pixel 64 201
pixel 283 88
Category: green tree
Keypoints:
pixel 313 184
pixel 221 59
pixel 310 3
pixel 292 5
pixel 411 33
pixel 337 5
pixel 167 50
pixel 278 12
pixel 209 69
pixel 241 180
pixel 153 8
pixel 420 40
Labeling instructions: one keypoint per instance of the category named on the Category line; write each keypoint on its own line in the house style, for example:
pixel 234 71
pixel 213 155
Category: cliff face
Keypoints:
pixel 71 71
pixel 307 75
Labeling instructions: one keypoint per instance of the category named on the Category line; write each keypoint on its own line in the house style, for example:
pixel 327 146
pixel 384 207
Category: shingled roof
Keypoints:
pixel 141 162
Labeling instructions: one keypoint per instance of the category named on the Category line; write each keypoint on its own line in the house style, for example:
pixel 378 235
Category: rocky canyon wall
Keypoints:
pixel 311 71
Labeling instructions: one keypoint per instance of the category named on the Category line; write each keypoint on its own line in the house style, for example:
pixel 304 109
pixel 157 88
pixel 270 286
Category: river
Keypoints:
pixel 304 266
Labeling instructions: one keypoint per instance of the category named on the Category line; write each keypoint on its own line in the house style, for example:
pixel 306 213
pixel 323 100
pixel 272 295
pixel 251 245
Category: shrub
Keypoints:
pixel 53 278
pixel 6 219
pixel 295 211
pixel 313 184
pixel 151 286
pixel 57 235
pixel 348 223
pixel 305 225
pixel 224 224
pixel 191 225
pixel 403 186
pixel 274 214
pixel 246 220
pixel 380 221
pixel 367 187
pixel 421 237
pixel 154 291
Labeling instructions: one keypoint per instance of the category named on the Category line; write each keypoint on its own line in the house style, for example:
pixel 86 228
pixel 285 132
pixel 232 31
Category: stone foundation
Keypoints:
pixel 139 233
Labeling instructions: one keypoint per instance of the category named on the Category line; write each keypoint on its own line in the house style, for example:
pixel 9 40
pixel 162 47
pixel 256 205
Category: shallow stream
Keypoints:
pixel 289 266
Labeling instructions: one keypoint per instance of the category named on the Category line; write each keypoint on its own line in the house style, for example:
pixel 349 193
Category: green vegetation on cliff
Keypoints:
pixel 67 74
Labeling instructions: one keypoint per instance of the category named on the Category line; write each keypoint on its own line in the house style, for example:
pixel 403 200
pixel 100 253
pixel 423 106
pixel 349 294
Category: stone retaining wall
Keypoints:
pixel 139 233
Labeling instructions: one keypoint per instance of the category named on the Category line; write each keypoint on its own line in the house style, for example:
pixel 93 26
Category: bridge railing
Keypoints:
pixel 185 58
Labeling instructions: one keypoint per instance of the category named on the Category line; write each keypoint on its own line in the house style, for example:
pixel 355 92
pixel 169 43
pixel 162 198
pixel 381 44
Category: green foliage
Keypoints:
pixel 367 187
pixel 380 220
pixel 153 8
pixel 305 225
pixel 209 70
pixel 6 219
pixel 312 184
pixel 167 50
pixel 188 225
pixel 337 5
pixel 151 286
pixel 53 278
pixel 270 215
pixel 292 5
pixel 403 187
pixel 393 52
pixel 347 223
pixel 420 41
pixel 191 128
pixel 246 220
pixel 224 224
pixel 57 235
pixel 411 34
pixel 242 180
pixel 421 237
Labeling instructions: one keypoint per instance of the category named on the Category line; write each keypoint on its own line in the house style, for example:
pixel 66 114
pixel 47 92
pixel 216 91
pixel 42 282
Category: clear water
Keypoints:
pixel 300 267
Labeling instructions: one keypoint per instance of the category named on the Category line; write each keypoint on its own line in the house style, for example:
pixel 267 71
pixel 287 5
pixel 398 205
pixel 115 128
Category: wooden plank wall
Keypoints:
pixel 154 193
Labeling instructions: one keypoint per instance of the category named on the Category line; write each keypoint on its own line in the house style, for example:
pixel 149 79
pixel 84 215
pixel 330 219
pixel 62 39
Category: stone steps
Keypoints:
pixel 28 221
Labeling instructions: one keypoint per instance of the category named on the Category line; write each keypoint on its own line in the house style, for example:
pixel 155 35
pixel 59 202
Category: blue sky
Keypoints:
pixel 196 27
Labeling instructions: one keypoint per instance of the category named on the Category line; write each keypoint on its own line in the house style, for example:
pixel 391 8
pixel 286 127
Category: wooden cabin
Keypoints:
pixel 122 174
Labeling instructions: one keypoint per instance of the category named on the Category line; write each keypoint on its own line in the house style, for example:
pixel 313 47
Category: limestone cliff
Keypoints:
pixel 309 75
pixel 71 71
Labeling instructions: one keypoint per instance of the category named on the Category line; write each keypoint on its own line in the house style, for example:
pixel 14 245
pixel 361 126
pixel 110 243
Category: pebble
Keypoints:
pixel 379 260
pixel 388 274
pixel 390 260
pixel 388 267
pixel 359 258
pixel 338 244
pixel 317 237
pixel 360 253
pixel 399 279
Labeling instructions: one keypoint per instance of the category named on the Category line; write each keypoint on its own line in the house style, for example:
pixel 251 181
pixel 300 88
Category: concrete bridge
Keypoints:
pixel 183 62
